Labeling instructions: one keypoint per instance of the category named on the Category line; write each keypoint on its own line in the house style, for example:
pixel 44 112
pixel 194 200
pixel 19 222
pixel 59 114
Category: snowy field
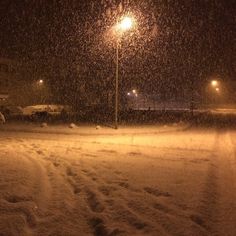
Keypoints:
pixel 173 182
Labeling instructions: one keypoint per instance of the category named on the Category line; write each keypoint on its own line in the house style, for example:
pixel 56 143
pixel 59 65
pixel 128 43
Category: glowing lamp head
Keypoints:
pixel 214 83
pixel 126 23
pixel 217 89
pixel 41 81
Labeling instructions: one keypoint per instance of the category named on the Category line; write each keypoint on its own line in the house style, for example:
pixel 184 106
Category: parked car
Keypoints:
pixel 11 111
pixel 45 111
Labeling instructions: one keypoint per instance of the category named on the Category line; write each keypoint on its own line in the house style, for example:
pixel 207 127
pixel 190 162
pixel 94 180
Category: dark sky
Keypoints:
pixel 195 38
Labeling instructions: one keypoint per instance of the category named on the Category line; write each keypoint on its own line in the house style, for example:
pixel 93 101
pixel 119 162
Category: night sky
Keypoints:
pixel 178 42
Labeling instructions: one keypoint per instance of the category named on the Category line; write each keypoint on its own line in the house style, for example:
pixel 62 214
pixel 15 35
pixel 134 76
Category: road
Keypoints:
pixel 170 183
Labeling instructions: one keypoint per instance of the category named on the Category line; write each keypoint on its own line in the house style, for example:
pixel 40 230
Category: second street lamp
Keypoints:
pixel 214 83
pixel 125 24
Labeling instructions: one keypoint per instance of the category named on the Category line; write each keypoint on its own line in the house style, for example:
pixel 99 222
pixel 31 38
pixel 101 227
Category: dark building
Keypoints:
pixel 8 79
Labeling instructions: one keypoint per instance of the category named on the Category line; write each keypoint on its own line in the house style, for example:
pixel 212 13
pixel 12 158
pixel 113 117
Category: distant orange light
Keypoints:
pixel 214 83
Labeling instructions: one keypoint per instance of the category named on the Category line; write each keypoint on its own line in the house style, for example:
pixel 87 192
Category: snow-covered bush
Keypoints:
pixel 72 125
pixel 44 124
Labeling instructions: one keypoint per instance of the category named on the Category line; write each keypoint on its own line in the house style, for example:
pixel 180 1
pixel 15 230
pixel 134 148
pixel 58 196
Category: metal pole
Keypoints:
pixel 117 84
pixel 192 99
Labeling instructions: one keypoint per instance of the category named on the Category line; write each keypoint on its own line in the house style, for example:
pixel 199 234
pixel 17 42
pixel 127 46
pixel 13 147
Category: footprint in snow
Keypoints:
pixel 17 199
pixel 134 153
pixel 99 228
pixel 106 190
pixel 107 151
pixel 70 172
pixel 156 192
pixel 198 220
pixel 162 208
pixel 124 185
pixel 93 202
pixel 40 152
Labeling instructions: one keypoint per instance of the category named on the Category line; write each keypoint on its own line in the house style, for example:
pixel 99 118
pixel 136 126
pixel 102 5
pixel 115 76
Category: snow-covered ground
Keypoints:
pixel 172 182
pixel 224 111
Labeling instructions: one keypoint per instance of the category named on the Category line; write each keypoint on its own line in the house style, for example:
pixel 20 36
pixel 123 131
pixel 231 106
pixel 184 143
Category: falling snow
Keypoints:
pixel 162 72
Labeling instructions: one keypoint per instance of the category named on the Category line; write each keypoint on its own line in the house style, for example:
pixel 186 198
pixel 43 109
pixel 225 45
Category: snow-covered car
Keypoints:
pixel 39 111
pixel 10 110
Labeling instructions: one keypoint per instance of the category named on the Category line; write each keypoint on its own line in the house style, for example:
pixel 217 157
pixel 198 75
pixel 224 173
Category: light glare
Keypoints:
pixel 214 83
pixel 126 23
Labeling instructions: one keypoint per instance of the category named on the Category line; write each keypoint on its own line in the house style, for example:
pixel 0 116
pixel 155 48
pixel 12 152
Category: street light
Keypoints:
pixel 214 83
pixel 125 24
pixel 215 89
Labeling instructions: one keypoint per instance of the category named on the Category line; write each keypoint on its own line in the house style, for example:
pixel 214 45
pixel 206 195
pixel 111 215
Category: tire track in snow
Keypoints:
pixel 18 209
pixel 144 220
pixel 58 212
pixel 98 195
pixel 227 185
pixel 217 209
pixel 206 212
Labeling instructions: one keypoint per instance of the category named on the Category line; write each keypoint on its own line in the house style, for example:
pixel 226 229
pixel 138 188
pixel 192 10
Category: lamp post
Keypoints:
pixel 125 24
pixel 117 84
